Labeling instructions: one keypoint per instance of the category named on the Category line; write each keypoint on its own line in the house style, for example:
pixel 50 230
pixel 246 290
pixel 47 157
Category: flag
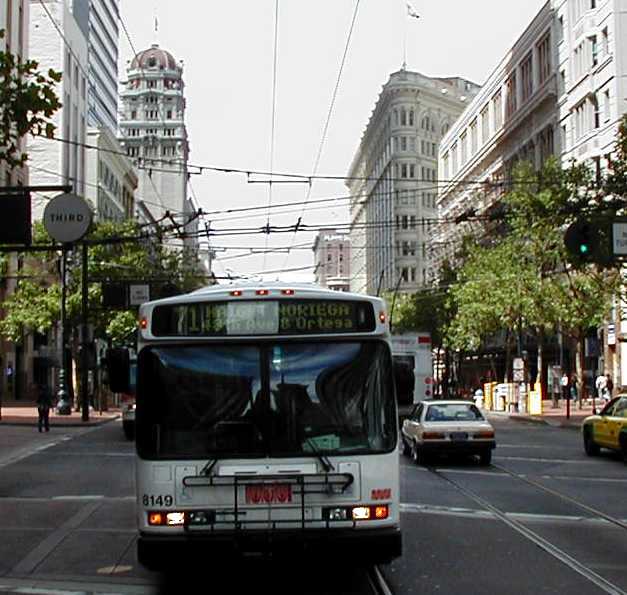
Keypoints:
pixel 411 12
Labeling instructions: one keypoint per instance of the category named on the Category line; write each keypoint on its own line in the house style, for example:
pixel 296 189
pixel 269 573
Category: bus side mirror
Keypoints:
pixel 119 369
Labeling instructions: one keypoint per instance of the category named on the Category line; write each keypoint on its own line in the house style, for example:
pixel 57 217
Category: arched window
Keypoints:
pixel 445 128
pixel 395 117
pixel 403 117
pixel 426 123
pixel 411 117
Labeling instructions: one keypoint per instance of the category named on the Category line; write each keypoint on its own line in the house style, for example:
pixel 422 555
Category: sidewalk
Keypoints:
pixel 25 414
pixel 554 416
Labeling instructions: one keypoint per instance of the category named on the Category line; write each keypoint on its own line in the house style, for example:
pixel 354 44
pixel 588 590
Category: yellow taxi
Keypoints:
pixel 608 429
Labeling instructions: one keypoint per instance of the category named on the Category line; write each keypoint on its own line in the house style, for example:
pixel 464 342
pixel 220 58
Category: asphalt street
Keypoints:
pixel 544 518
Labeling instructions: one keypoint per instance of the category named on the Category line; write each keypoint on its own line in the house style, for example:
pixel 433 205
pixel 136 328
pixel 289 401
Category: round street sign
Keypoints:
pixel 67 218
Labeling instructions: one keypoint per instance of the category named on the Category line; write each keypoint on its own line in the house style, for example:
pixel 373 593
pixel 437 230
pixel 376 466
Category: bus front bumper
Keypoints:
pixel 381 545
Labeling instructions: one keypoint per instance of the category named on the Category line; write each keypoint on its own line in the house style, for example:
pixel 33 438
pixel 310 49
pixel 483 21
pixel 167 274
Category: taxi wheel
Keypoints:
pixel 623 448
pixel 592 449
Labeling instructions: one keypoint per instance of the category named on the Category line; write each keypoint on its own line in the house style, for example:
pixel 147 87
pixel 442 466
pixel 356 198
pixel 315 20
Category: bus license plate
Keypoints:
pixel 276 493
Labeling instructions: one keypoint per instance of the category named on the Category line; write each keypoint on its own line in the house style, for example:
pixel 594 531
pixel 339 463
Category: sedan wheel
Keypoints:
pixel 405 449
pixel 485 458
pixel 589 445
pixel 416 454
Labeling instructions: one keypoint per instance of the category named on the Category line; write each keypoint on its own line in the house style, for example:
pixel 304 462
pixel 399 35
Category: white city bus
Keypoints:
pixel 413 368
pixel 266 424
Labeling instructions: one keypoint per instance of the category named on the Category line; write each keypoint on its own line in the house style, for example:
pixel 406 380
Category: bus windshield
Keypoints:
pixel 265 399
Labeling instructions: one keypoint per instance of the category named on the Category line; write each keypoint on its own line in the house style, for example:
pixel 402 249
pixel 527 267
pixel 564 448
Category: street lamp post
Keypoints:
pixel 64 407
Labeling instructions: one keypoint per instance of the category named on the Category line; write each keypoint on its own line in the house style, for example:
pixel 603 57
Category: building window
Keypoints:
pixel 473 137
pixel 485 124
pixel 511 104
pixel 543 48
pixel 497 110
pixel 411 117
pixel 606 105
pixel 605 42
pixel 403 117
pixel 526 77
pixel 464 148
pixel 594 49
pixel 596 114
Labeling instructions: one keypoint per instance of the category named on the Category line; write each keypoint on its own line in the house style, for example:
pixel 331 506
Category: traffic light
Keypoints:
pixel 588 241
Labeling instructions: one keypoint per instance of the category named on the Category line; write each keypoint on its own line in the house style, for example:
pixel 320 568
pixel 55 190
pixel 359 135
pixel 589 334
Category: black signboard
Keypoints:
pixel 15 218
pixel 263 317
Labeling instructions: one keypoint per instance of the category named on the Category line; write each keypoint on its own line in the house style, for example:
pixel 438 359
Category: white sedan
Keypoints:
pixel 447 427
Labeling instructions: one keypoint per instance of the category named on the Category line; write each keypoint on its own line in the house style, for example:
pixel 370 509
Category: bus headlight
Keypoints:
pixel 379 512
pixel 166 519
pixel 201 517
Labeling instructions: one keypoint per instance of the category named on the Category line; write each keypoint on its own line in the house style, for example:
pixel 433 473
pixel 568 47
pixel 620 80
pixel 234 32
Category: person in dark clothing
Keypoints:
pixel 44 403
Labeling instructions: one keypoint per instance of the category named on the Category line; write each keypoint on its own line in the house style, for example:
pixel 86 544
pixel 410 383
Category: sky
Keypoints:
pixel 257 106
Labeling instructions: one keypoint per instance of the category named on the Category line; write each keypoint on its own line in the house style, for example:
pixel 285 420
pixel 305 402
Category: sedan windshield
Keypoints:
pixel 280 399
pixel 453 412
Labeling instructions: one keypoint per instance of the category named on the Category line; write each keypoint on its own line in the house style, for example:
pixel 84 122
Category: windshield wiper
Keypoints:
pixel 326 463
pixel 206 470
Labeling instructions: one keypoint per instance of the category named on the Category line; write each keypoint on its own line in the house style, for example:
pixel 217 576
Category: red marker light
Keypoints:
pixel 287 291
pixel 262 292
pixel 143 323
pixel 236 293
pixel 382 317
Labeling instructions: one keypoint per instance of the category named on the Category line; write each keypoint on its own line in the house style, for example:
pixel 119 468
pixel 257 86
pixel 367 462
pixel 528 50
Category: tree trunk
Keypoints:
pixel 541 378
pixel 582 389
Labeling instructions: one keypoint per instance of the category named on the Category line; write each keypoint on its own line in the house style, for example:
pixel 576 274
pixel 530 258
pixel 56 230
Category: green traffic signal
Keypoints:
pixel 589 241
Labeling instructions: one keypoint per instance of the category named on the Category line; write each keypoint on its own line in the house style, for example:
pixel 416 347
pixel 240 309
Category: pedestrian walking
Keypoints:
pixel 573 389
pixel 601 386
pixel 564 382
pixel 44 403
pixel 610 387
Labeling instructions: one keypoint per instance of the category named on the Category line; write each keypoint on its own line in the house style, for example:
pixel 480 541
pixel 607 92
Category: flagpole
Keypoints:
pixel 405 44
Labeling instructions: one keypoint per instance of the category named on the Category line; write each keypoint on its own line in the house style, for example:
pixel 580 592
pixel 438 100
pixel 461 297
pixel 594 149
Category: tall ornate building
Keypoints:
pixel 393 179
pixel 154 135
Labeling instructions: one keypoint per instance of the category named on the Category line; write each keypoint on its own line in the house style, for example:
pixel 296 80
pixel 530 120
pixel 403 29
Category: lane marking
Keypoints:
pixel 544 544
pixel 413 508
pixel 35 557
pixel 82 587
pixel 539 460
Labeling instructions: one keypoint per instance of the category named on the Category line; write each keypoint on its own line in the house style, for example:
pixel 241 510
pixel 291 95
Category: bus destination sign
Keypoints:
pixel 263 317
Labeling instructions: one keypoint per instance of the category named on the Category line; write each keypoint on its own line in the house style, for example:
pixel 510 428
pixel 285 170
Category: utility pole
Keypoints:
pixel 64 406
pixel 84 339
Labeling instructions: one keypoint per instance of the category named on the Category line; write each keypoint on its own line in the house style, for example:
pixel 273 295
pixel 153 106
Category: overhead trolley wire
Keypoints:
pixel 273 120
pixel 329 113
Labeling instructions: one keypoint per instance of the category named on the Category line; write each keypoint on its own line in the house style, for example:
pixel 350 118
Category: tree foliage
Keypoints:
pixel 523 281
pixel 35 305
pixel 27 103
